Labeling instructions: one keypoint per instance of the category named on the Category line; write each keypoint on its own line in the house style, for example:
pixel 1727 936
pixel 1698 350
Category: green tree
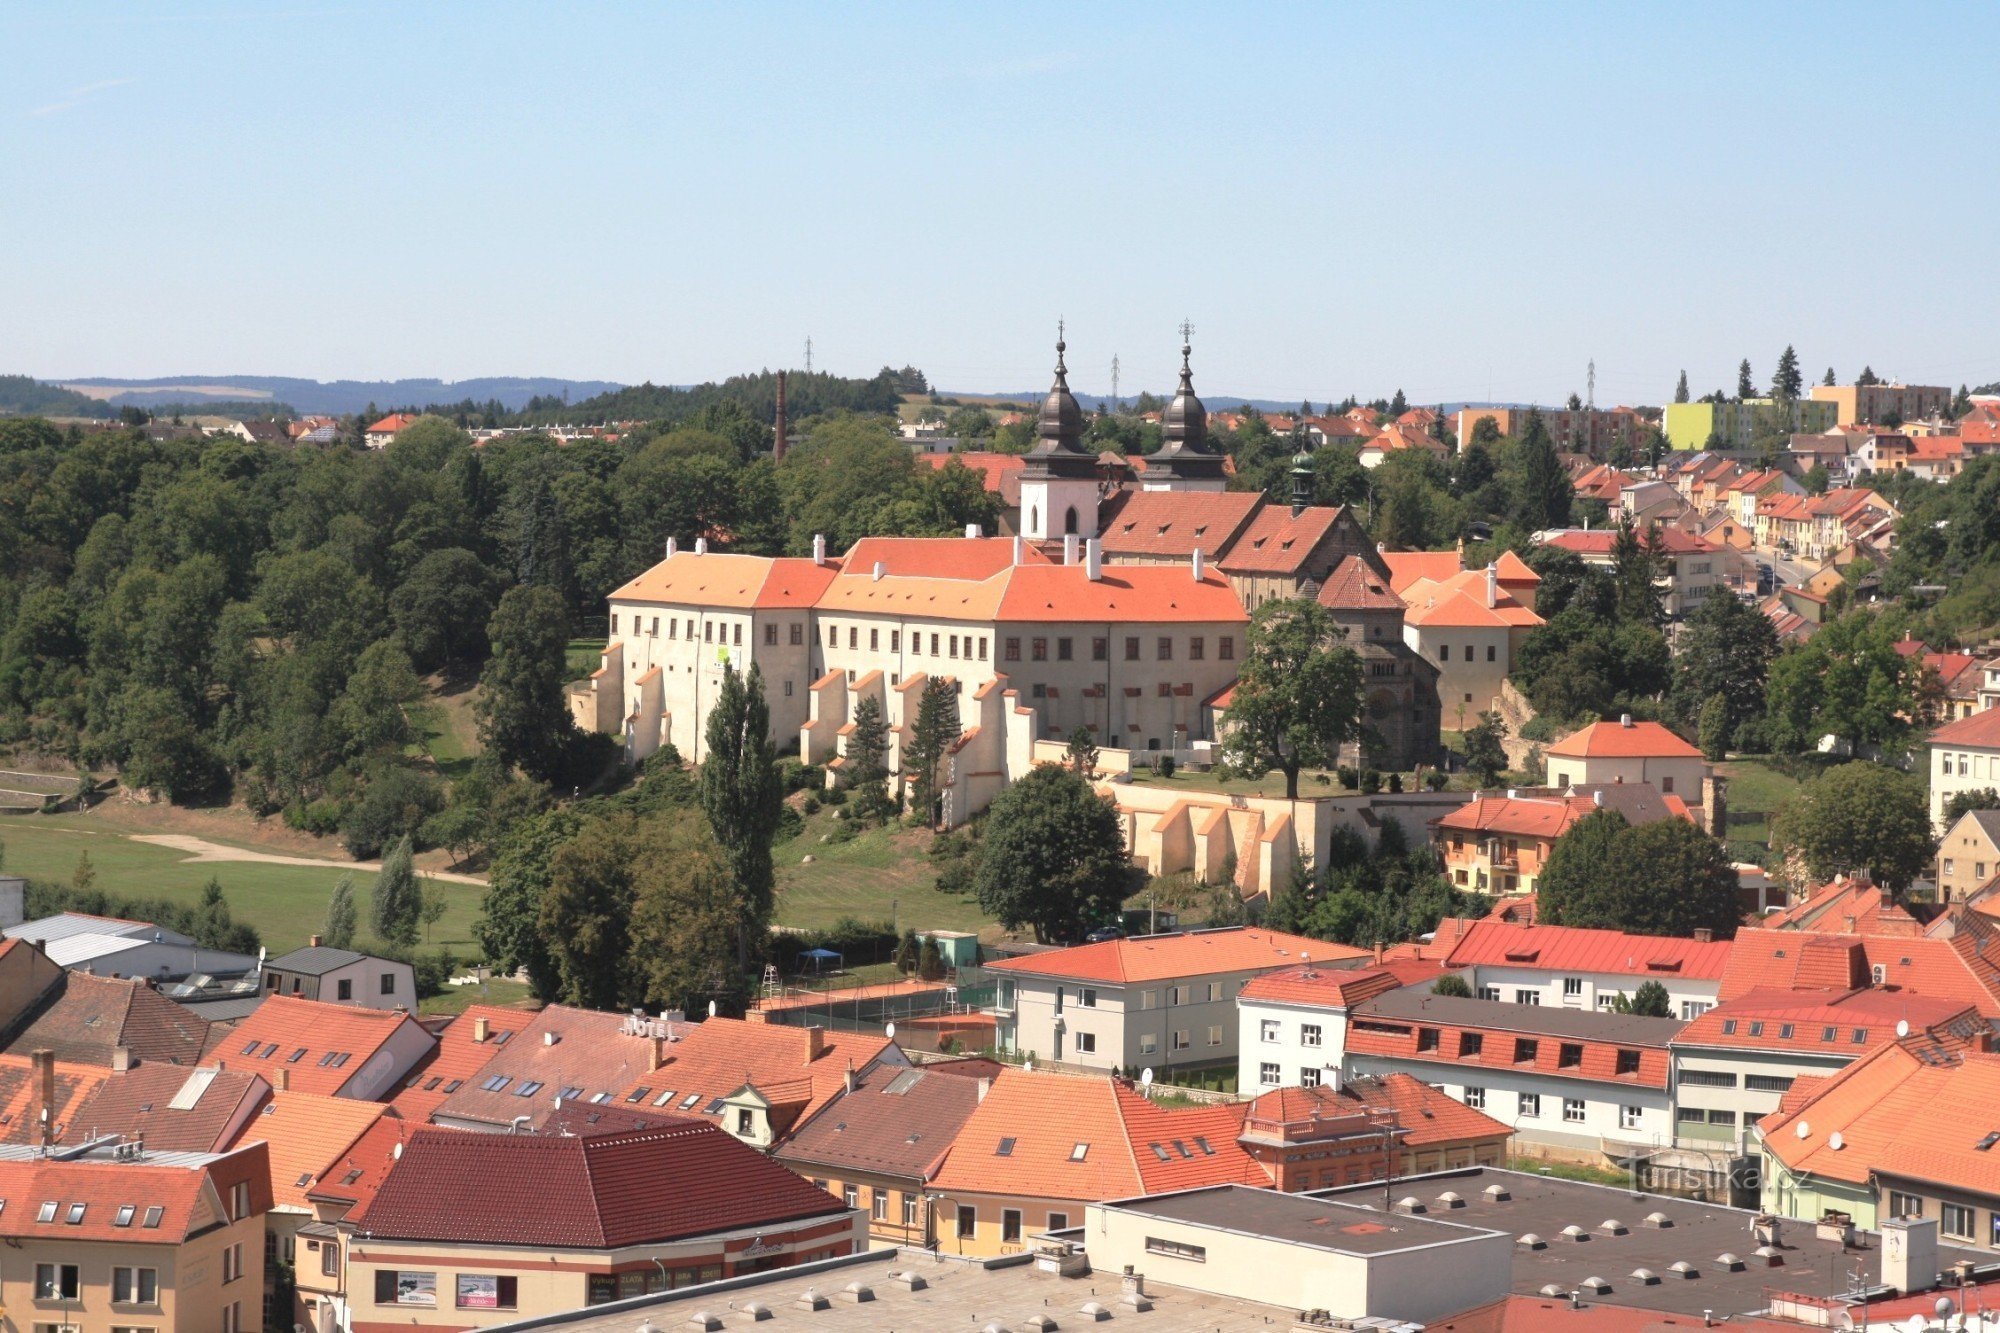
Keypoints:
pixel 1297 697
pixel 867 766
pixel 1662 878
pixel 1715 732
pixel 1635 566
pixel 1649 1000
pixel 1681 388
pixel 509 929
pixel 442 608
pixel 1485 756
pixel 931 737
pixel 741 793
pixel 682 950
pixel 1816 479
pixel 1786 382
pixel 342 917
pixel 1964 803
pixel 213 926
pixel 398 902
pixel 1746 387
pixel 524 721
pixel 1727 647
pixel 1081 752
pixel 586 914
pixel 1857 817
pixel 434 905
pixel 1848 682
pixel 1452 986
pixel 1054 856
pixel 1542 490
pixel 908 951
pixel 1867 377
pixel 84 877
pixel 1829 380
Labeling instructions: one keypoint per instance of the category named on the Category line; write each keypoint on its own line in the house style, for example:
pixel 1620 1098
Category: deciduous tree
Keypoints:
pixel 1297 697
pixel 523 719
pixel 741 793
pixel 1662 878
pixel 398 903
pixel 1054 856
pixel 1858 817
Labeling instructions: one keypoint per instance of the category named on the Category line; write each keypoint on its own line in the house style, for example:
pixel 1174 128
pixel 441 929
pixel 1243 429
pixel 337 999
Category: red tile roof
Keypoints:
pixel 1338 988
pixel 1354 585
pixel 1979 731
pixel 1144 593
pixel 738 581
pixel 392 423
pixel 1399 1026
pixel 605 1191
pixel 1616 740
pixel 1801 1020
pixel 1601 541
pixel 1426 1115
pixel 171 1107
pixel 1177 523
pixel 309 1135
pixel 1168 957
pixel 1576 949
pixel 93 1016
pixel 1906 1111
pixel 21 1103
pixel 459 1055
pixel 966 558
pixel 1847 907
pixel 1964 968
pixel 1278 541
pixel 189 1195
pixel 1407 567
pixel 320 1047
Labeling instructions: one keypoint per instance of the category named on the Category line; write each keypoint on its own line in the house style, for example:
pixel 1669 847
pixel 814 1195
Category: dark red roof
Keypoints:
pixel 95 1015
pixel 598 1192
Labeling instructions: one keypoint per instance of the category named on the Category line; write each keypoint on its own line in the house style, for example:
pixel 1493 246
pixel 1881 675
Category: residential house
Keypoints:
pixel 1686 568
pixel 469 1230
pixel 1340 1132
pixel 1569 1081
pixel 1734 1065
pixel 1968 855
pixel 1936 457
pixel 1153 1001
pixel 879 1143
pixel 337 1050
pixel 1628 751
pixel 1042 1146
pixel 339 1191
pixel 1965 756
pixel 1499 841
pixel 170 1108
pixel 1830 451
pixel 1570 967
pixel 342 976
pixel 1839 517
pixel 1471 623
pixel 109 1238
pixel 1907 1132
pixel 383 432
pixel 463 1047
pixel 1292 1023
pixel 88 1020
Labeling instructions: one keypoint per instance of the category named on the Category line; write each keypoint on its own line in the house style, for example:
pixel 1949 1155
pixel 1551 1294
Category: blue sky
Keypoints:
pixel 1456 200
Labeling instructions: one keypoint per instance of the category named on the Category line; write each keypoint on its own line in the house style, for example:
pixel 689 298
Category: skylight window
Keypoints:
pixel 665 1097
pixel 305 1179
pixel 1728 1027
pixel 47 1212
pixel 1159 1152
pixel 527 1089
pixel 1079 1152
pixel 342 1058
pixel 326 1060
pixel 123 1218
pixel 600 1099
pixel 571 1094
pixel 1986 1144
pixel 1005 1148
pixel 153 1216
pixel 1202 1144
pixel 496 1083
pixel 692 1099
pixel 500 1038
pixel 351 1176
pixel 454 1085
pixel 715 1106
pixel 75 1213
pixel 432 1084
pixel 251 1049
pixel 638 1094
pixel 268 1051
pixel 296 1056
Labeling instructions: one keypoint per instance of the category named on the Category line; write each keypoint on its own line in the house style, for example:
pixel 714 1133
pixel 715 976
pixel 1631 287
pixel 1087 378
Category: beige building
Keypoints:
pixel 1628 751
pixel 1470 623
pixel 1875 404
pixel 112 1239
pixel 1968 855
pixel 1965 756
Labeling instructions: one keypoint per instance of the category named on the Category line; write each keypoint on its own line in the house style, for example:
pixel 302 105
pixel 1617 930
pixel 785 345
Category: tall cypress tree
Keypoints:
pixel 741 794
pixel 1786 382
pixel 398 902
pixel 935 729
pixel 1542 490
pixel 1681 389
pixel 1746 388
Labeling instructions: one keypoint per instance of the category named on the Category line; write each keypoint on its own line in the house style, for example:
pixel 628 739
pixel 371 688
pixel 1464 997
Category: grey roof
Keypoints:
pixel 1414 1005
pixel 1323 1224
pixel 64 924
pixel 226 1009
pixel 316 960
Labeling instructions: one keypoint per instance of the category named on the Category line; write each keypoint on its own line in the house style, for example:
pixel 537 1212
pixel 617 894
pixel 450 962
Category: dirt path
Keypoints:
pixel 202 849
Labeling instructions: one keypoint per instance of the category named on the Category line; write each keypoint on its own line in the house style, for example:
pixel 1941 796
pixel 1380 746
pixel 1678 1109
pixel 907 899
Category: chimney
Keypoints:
pixel 43 1062
pixel 1020 549
pixel 815 1043
pixel 985 1086
pixel 819 548
pixel 673 547
pixel 778 428
pixel 312 941
pixel 284 1078
pixel 1704 935
pixel 1624 719
pixel 480 1030
pixel 1378 951
pixel 879 570
pixel 972 531
pixel 550 1039
pixel 701 546
pixel 1093 560
pixel 1492 585
pixel 656 1053
pixel 1072 545
pixel 121 1059
pixel 850 1076
pixel 1195 564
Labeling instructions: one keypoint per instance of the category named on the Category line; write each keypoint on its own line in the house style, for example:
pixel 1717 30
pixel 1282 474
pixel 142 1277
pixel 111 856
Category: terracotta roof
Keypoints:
pixel 897 1121
pixel 965 558
pixel 1602 541
pixel 999 474
pixel 935 598
pixel 93 1016
pixel 1546 817
pixel 1847 907
pixel 720 1056
pixel 1338 988
pixel 1615 740
pixel 736 581
pixel 1426 1115
pixel 1844 1023
pixel 309 1135
pixel 1446 1030
pixel 189 1195
pixel 1090 1138
pixel 1277 541
pixel 1981 730
pixel 171 1107
pixel 1196 953
pixel 1149 594
pixel 1576 949
pixel 1407 567
pixel 1354 585
pixel 1964 968
pixel 599 1192
pixel 392 423
pixel 459 1055
pixel 20 1100
pixel 1913 1113
pixel 1460 601
pixel 319 1046
pixel 1177 523
pixel 350 1180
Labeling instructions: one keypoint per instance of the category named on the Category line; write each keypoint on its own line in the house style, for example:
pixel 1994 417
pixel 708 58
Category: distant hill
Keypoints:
pixel 21 395
pixel 333 397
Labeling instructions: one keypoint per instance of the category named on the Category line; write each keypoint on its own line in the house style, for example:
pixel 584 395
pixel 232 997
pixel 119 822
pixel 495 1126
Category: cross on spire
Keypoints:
pixel 1187 330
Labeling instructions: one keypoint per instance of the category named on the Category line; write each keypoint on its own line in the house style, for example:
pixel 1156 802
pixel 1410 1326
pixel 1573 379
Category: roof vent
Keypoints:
pixel 1769 1256
pixel 1596 1286
pixel 704 1319
pixel 1575 1233
pixel 1532 1242
pixel 1682 1268
pixel 1093 1312
pixel 550 1038
pixel 1410 1203
pixel 909 1281
pixel 995 1327
pixel 857 1293
pixel 701 546
pixel 1498 1193
pixel 1554 1291
pixel 1611 1226
pixel 879 570
pixel 1624 719
pixel 810 1299
pixel 1658 1221
pixel 1728 1262
pixel 1042 1322
pixel 1645 1277
pixel 1448 1199
pixel 757 1311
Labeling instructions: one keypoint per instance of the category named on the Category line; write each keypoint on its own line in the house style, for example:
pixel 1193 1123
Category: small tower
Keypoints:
pixel 1302 482
pixel 1185 462
pixel 1058 477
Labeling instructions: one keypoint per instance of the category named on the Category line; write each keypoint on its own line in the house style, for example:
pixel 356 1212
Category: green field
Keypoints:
pixel 285 903
pixel 457 999
pixel 581 657
pixel 1756 790
pixel 880 873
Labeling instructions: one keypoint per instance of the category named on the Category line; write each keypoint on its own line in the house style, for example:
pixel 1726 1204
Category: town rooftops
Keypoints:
pixel 21 1099
pixel 1407 567
pixel 1461 602
pixel 1177 523
pixel 160 1199
pixel 1424 1114
pixel 1338 987
pixel 1195 953
pixel 740 582
pixel 999 474
pixel 1355 585
pixel 91 1017
pixel 1915 1114
pixel 1964 967
pixel 1624 739
pixel 897 1121
pixel 596 1192
pixel 1841 1024
pixel 1979 731
pixel 309 1135
pixel 1277 541
pixel 964 558
pixel 308 1045
pixel 1091 1137
pixel 316 960
pixel 1602 541
pixel 1307 1221
pixel 1547 814
pixel 171 1108
pixel 1847 907
pixel 464 1046
pixel 392 424
pixel 1577 949
pixel 1567 1043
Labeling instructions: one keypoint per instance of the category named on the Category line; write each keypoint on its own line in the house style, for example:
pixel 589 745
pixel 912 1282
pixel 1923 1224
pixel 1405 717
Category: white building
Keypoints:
pixel 1567 967
pixel 342 976
pixel 1291 1024
pixel 1965 756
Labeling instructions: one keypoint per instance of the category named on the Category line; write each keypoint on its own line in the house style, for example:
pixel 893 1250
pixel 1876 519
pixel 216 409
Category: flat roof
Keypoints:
pixel 1298 1219
pixel 1699 1234
pixel 965 1294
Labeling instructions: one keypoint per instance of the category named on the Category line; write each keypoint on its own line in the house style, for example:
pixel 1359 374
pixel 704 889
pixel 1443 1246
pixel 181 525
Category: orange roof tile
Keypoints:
pixel 320 1047
pixel 1494 943
pixel 459 1055
pixel 1425 1114
pixel 1843 1023
pixel 1615 740
pixel 188 1194
pixel 308 1135
pixel 1407 567
pixel 20 1100
pixel 1964 968
pixel 1166 957
pixel 1338 988
pixel 392 423
pixel 1907 1111
pixel 964 558
pixel 1145 594
pixel 721 579
pixel 1979 731
pixel 1277 541
pixel 1177 523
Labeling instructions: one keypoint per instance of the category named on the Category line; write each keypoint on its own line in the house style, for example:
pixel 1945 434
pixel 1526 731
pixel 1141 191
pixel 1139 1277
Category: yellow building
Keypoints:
pixel 117 1239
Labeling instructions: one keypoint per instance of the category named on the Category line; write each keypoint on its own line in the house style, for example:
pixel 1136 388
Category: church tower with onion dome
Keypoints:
pixel 1186 462
pixel 1059 476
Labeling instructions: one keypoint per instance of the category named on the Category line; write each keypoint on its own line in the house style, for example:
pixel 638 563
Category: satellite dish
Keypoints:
pixel 1902 1027
pixel 1146 1076
pixel 889 1031
pixel 1945 1309
pixel 711 1008
pixel 1916 1323
pixel 1835 1142
pixel 1804 1129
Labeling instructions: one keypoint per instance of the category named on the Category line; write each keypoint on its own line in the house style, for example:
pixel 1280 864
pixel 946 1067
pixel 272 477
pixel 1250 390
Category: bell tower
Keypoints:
pixel 1185 462
pixel 1059 477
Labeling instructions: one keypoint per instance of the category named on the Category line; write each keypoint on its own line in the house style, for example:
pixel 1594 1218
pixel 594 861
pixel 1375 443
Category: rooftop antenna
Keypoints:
pixel 1114 382
pixel 809 354
pixel 1590 387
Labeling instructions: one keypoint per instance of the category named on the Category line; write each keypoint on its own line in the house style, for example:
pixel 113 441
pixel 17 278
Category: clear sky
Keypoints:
pixel 1455 200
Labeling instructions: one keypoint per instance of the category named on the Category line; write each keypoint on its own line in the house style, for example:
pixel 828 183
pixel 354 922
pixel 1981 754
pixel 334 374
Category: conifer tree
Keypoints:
pixel 1746 388
pixel 867 766
pixel 399 901
pixel 1681 389
pixel 1786 382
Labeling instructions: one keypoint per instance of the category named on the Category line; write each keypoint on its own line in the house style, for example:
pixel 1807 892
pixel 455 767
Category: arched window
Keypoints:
pixel 1034 520
pixel 1069 520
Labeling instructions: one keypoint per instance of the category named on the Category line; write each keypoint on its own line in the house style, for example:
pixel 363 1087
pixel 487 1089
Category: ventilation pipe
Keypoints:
pixel 1071 543
pixel 673 547
pixel 1492 585
pixel 819 548
pixel 1195 564
pixel 701 546
pixel 1020 549
pixel 1093 560
pixel 972 530
pixel 879 570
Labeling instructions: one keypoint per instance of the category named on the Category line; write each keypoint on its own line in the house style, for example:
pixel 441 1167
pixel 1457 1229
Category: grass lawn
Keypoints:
pixel 581 657
pixel 882 871
pixel 1312 782
pixel 1755 791
pixel 451 732
pixel 457 999
pixel 285 903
